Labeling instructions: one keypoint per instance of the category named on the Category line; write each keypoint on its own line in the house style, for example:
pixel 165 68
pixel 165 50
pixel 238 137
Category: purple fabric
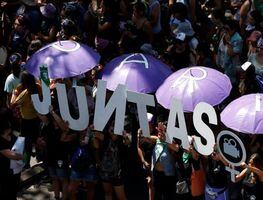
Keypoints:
pixel 194 85
pixel 216 193
pixel 63 59
pixel 139 72
pixel 245 114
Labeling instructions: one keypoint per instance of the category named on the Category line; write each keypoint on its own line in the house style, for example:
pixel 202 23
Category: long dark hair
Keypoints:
pixel 257 160
pixel 28 82
pixel 5 124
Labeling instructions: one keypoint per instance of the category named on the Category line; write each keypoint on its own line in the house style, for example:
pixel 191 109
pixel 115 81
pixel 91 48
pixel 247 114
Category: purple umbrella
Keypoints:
pixel 245 114
pixel 194 85
pixel 63 59
pixel 139 72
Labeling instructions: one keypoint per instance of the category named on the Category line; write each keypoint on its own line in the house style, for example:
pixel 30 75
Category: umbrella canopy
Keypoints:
pixel 139 72
pixel 194 85
pixel 63 59
pixel 245 114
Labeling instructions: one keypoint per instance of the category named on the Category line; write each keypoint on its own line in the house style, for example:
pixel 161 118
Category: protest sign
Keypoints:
pixel 18 147
pixel 117 102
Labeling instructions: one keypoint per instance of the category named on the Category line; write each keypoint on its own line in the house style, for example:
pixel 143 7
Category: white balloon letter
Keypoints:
pixel 116 102
pixel 176 111
pixel 203 129
pixel 42 107
pixel 76 124
pixel 142 100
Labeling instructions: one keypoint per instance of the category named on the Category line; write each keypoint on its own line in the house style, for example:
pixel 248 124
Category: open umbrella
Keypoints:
pixel 194 85
pixel 139 72
pixel 245 114
pixel 63 59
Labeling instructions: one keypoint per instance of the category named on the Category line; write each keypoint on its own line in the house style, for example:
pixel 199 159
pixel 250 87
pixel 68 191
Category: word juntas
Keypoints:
pixel 117 103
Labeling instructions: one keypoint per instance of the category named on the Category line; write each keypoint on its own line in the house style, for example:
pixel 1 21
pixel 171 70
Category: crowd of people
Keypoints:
pixel 220 34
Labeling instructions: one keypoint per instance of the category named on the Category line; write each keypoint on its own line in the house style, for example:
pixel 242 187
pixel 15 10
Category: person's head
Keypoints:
pixel 68 10
pixel 69 27
pixel 236 4
pixel 218 17
pixel 28 82
pixel 33 47
pixel 161 129
pixel 20 23
pixel 106 6
pixel 49 11
pixel 180 43
pixel 5 127
pixel 231 27
pixel 256 160
pixel 179 11
pixel 255 41
pixel 254 18
pixel 15 63
pixel 253 38
pixel 140 9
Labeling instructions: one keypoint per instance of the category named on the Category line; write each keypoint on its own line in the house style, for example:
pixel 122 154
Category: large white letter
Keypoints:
pixel 116 102
pixel 203 129
pixel 176 111
pixel 42 107
pixel 76 124
pixel 142 100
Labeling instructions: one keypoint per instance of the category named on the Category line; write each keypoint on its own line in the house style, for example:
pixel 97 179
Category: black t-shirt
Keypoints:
pixel 216 174
pixel 56 150
pixel 147 149
pixel 252 190
pixel 4 161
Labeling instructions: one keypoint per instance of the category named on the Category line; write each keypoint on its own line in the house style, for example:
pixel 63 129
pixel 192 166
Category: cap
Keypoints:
pixel 15 58
pixel 246 65
pixel 48 10
pixel 149 117
pixel 184 27
pixel 180 38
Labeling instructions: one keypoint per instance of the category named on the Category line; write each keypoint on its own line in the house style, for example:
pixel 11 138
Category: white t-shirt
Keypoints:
pixel 182 26
pixel 11 83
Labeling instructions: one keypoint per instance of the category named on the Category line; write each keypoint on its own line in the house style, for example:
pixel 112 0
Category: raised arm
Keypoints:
pixel 11 154
pixel 61 124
